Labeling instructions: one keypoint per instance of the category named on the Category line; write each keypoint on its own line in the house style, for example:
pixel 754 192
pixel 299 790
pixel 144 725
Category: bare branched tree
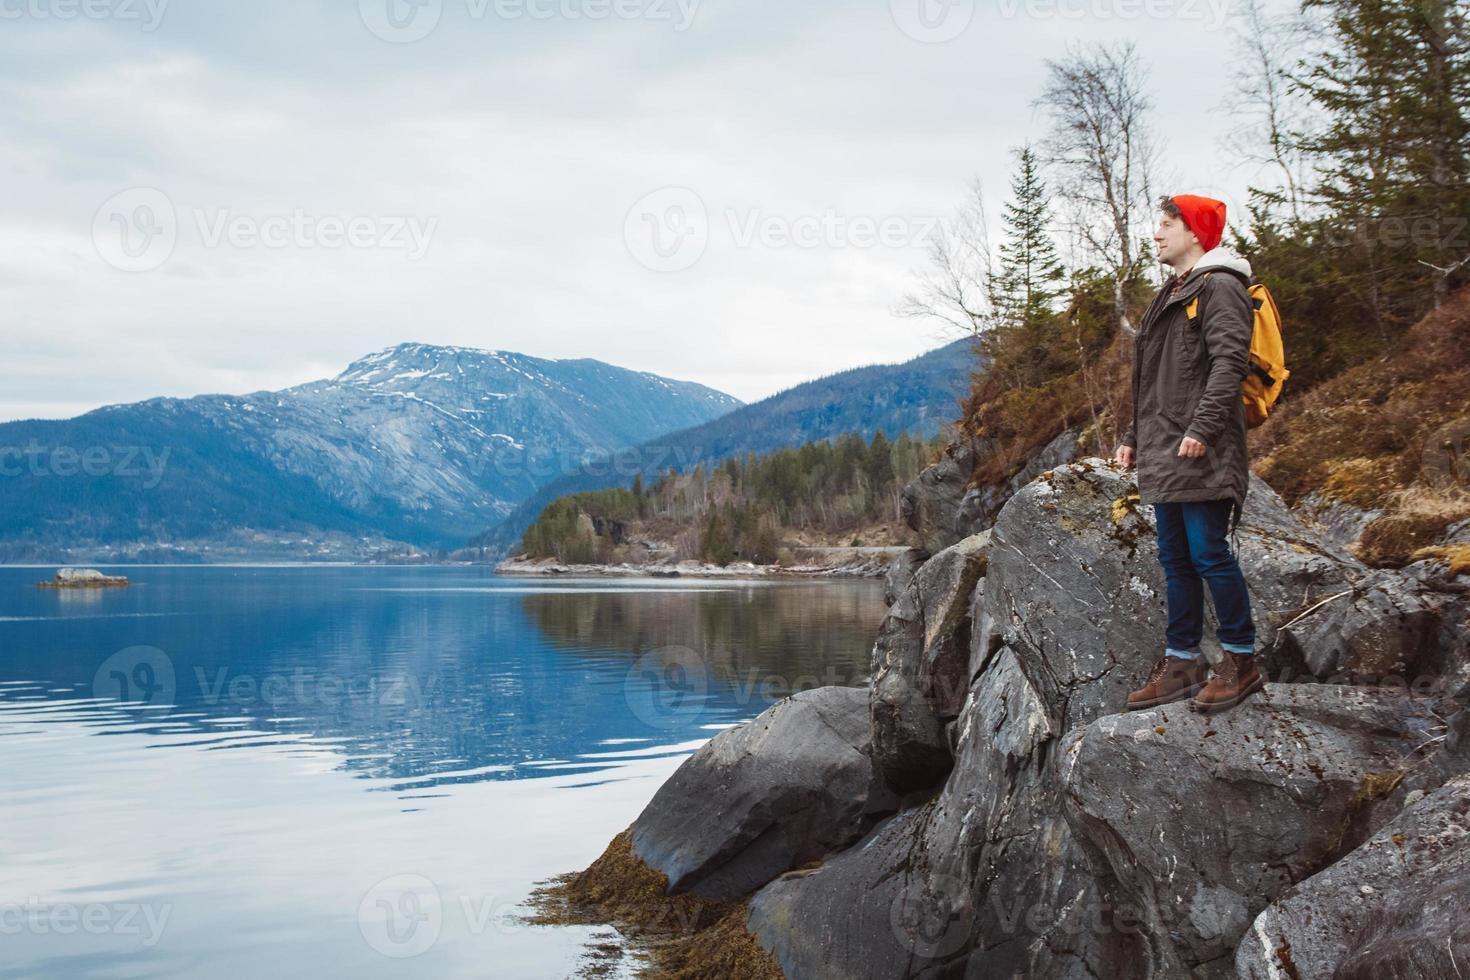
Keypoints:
pixel 957 287
pixel 1102 154
pixel 1272 109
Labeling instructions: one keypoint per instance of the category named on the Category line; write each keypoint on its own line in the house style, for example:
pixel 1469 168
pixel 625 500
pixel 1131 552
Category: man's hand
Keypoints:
pixel 1124 457
pixel 1191 447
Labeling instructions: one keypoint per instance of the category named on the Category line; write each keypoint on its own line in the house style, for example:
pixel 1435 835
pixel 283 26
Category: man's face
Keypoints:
pixel 1173 239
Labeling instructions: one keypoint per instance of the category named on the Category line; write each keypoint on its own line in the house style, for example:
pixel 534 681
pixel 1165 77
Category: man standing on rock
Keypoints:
pixel 1188 439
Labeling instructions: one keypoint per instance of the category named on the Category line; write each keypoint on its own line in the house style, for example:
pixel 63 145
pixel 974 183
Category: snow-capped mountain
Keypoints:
pixel 416 444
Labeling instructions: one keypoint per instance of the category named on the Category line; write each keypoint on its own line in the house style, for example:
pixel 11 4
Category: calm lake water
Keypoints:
pixel 358 771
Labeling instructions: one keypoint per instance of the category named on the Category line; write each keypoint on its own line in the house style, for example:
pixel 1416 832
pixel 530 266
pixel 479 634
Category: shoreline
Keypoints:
pixel 870 564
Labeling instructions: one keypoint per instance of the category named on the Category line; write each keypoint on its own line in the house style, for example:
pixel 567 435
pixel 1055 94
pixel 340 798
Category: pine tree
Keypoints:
pixel 640 499
pixel 1393 158
pixel 1021 346
pixel 714 542
pixel 1031 276
pixel 879 469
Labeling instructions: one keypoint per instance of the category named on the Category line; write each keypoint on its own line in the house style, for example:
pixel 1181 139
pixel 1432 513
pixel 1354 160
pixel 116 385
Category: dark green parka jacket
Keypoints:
pixel 1186 382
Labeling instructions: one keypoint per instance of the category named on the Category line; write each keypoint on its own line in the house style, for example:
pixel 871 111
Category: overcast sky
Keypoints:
pixel 217 196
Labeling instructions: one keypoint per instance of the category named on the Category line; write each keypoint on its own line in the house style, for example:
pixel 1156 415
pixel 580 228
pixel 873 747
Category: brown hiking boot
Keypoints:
pixel 1172 678
pixel 1235 678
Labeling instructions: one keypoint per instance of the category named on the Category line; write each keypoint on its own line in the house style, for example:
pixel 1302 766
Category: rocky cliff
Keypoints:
pixel 985 810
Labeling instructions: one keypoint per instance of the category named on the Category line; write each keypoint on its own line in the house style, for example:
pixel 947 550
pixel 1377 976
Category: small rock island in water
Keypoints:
pixel 83 578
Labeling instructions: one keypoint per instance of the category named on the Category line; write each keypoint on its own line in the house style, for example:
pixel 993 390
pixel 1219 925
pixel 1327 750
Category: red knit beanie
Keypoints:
pixel 1204 216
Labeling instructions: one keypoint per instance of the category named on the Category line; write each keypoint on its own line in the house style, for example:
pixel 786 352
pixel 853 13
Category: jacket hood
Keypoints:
pixel 1220 257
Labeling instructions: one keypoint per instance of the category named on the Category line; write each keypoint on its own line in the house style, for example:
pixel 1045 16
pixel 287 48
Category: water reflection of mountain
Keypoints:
pixel 433 675
pixel 785 636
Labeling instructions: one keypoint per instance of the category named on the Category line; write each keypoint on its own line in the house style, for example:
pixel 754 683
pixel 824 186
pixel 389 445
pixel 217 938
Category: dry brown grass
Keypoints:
pixel 1368 432
pixel 1415 518
pixel 1456 557
pixel 1013 424
pixel 1390 435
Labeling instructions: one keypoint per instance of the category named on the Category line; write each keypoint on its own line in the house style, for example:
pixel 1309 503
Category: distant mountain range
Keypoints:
pixel 415 445
pixel 917 396
pixel 411 449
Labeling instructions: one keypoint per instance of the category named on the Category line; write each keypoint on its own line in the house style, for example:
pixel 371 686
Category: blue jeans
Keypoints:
pixel 1193 550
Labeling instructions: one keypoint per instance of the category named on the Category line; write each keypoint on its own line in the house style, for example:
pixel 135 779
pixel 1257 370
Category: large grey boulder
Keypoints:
pixel 848 919
pixel 1074 587
pixel 900 573
pixel 1001 864
pixel 921 665
pixel 999 847
pixel 980 505
pixel 1322 612
pixel 930 503
pixel 1045 835
pixel 758 799
pixel 1070 588
pixel 1450 754
pixel 941 505
pixel 985 880
pixel 1452 647
pixel 1342 523
pixel 1393 908
pixel 1197 822
pixel 1379 626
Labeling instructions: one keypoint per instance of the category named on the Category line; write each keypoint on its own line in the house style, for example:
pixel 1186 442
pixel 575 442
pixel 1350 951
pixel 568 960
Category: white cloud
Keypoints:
pixel 525 143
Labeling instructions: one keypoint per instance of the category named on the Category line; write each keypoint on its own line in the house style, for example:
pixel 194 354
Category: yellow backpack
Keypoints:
pixel 1267 373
